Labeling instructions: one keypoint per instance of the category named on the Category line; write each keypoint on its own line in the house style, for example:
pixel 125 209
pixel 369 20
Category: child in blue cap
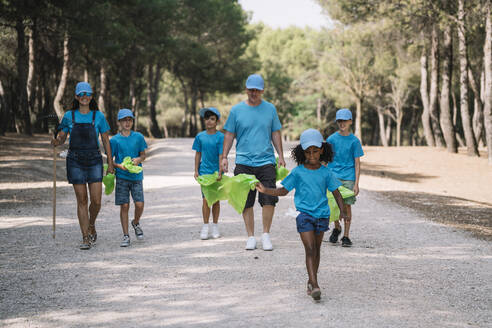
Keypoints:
pixel 208 147
pixel 132 144
pixel 310 179
pixel 346 167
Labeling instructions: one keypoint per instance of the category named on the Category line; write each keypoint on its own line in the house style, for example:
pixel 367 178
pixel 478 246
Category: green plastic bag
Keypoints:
pixel 233 189
pixel 281 172
pixel 334 210
pixel 128 164
pixel 108 181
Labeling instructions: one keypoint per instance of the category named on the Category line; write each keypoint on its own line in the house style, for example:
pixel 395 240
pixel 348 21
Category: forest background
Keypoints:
pixel 414 72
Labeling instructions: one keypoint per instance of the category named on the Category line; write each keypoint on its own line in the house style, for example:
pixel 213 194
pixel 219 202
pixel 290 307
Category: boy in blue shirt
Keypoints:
pixel 208 147
pixel 128 143
pixel 346 167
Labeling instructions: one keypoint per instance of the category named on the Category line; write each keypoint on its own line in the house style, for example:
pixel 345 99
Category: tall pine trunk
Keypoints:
pixel 63 80
pixel 433 110
pixel 102 92
pixel 23 121
pixel 447 73
pixel 487 49
pixel 471 144
pixel 424 94
pixel 358 118
pixel 477 119
pixel 153 85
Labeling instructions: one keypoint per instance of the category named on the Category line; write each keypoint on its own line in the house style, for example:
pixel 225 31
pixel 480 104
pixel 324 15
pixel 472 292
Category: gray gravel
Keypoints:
pixel 403 271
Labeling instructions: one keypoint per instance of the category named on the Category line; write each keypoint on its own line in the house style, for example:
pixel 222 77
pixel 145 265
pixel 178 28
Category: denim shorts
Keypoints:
pixel 267 176
pixel 349 184
pixel 124 188
pixel 306 222
pixel 84 167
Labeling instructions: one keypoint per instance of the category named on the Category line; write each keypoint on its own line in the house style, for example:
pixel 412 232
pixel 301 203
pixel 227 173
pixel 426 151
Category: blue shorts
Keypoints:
pixel 123 189
pixel 306 222
pixel 84 167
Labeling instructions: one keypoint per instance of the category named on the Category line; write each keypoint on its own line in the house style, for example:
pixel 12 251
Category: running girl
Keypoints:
pixel 311 180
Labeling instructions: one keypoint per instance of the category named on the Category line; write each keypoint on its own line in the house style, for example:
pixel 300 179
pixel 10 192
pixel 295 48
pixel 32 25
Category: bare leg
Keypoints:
pixel 124 208
pixel 267 212
pixel 139 207
pixel 216 212
pixel 205 211
pixel 348 211
pixel 249 221
pixel 95 191
pixel 82 210
pixel 312 256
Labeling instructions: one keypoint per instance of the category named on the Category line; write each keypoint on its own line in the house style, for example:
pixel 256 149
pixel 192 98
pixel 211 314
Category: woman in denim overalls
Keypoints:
pixel 84 161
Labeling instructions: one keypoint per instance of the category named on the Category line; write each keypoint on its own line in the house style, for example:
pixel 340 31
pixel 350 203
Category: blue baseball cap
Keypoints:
pixel 209 109
pixel 125 112
pixel 255 81
pixel 343 114
pixel 311 137
pixel 83 87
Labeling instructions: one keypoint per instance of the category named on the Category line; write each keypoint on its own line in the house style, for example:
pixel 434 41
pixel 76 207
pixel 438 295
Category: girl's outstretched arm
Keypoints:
pixel 271 191
pixel 341 205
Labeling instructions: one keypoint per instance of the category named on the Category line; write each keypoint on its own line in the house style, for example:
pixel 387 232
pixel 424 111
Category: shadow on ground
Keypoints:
pixel 385 171
pixel 461 213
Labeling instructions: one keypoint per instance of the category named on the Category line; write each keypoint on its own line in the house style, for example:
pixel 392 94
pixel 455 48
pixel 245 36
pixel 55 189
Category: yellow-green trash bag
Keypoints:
pixel 233 189
pixel 128 164
pixel 108 181
pixel 281 172
pixel 334 210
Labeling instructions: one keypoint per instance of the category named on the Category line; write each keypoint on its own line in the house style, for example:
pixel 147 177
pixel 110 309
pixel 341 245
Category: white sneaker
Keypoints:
pixel 215 231
pixel 266 242
pixel 204 232
pixel 251 243
pixel 126 241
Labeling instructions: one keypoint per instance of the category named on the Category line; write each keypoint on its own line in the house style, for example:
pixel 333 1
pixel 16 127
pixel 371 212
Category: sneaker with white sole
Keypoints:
pixel 126 241
pixel 138 231
pixel 251 243
pixel 215 231
pixel 204 232
pixel 266 242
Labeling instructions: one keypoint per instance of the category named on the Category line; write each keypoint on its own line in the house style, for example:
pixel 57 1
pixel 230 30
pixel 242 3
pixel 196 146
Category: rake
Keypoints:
pixel 53 125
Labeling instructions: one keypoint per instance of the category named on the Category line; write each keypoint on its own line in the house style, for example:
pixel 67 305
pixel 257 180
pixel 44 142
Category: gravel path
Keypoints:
pixel 403 271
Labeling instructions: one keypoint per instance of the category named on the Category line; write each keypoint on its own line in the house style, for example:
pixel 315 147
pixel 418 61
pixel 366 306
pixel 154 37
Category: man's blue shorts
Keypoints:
pixel 123 189
pixel 306 222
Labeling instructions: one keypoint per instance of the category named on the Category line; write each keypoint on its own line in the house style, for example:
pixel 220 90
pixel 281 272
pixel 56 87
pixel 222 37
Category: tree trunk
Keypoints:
pixel 447 71
pixel 429 137
pixel 31 94
pixel 388 131
pixel 433 110
pixel 477 119
pixel 153 85
pixel 23 121
pixel 318 110
pixel 471 145
pixel 102 91
pixel 194 100
pixel 184 130
pixel 63 80
pixel 358 119
pixel 3 111
pixel 459 139
pixel 487 49
pixel 382 134
pixel 86 75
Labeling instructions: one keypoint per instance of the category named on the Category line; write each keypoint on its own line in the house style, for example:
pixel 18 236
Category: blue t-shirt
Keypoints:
pixel 100 122
pixel 346 149
pixel 122 147
pixel 210 145
pixel 253 127
pixel 311 186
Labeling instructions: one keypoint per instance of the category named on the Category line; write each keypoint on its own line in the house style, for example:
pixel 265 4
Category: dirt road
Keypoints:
pixel 403 271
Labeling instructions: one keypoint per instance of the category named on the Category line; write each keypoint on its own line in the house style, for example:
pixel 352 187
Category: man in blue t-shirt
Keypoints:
pixel 346 167
pixel 131 144
pixel 255 125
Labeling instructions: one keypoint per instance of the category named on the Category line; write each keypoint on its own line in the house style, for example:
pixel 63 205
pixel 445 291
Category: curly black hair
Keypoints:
pixel 92 105
pixel 297 154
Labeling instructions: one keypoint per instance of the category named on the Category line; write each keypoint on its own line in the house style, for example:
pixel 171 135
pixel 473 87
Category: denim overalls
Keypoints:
pixel 84 160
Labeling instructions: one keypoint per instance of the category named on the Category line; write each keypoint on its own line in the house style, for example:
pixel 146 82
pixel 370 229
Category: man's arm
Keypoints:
pixel 228 139
pixel 277 143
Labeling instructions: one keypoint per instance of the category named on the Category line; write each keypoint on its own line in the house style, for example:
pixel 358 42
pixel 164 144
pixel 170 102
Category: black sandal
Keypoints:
pixel 86 244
